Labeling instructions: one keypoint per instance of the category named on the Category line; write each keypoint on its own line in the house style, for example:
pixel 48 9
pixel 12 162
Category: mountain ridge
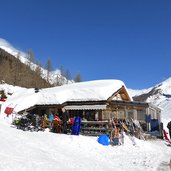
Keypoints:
pixel 159 95
pixel 54 78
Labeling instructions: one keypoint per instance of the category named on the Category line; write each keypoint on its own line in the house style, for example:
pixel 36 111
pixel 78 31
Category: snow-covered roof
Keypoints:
pixel 83 91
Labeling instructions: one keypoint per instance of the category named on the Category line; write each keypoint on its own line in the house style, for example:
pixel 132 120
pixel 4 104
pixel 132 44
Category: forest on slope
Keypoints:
pixel 14 72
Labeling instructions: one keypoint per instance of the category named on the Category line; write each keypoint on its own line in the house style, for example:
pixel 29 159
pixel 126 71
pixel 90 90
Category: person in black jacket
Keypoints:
pixel 169 127
pixel 65 118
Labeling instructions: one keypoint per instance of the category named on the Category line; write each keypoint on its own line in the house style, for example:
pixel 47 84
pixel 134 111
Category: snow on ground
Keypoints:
pixel 44 151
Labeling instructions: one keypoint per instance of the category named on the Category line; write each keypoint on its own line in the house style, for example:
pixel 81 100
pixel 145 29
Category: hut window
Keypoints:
pixel 90 115
pixel 113 114
pixel 153 113
pixel 130 114
pixel 121 114
pixel 109 115
pixel 141 115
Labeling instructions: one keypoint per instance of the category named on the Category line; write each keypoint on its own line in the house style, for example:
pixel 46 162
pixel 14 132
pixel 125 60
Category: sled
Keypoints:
pixel 9 110
pixel 104 139
pixel 76 126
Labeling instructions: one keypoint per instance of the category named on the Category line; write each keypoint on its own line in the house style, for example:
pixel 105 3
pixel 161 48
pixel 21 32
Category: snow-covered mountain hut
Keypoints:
pixel 100 100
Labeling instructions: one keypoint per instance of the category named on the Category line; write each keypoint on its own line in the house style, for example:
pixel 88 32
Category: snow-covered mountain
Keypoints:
pixel 159 95
pixel 53 77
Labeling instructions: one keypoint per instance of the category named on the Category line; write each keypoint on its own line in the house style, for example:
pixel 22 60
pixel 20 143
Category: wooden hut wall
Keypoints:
pixel 124 113
pixel 117 113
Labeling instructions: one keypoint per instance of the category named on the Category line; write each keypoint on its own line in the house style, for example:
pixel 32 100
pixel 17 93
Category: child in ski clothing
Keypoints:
pixel 114 137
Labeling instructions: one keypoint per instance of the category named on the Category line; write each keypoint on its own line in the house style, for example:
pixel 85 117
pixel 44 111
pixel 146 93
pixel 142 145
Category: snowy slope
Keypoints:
pixel 44 151
pixel 163 99
pixel 138 92
pixel 5 45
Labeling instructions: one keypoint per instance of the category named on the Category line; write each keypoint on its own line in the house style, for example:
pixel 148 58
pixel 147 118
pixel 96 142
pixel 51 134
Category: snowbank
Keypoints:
pixel 44 151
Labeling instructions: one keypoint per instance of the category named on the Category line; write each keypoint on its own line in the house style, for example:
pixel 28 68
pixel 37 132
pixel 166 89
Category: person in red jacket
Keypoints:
pixel 56 118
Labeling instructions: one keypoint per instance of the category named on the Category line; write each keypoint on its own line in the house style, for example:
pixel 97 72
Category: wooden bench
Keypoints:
pixel 94 128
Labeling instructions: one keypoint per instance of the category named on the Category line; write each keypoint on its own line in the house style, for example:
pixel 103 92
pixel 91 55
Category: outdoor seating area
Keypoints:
pixel 35 122
pixel 87 123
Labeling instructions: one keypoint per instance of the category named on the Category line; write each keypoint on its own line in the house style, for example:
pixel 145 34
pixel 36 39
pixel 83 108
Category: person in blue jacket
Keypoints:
pixel 50 117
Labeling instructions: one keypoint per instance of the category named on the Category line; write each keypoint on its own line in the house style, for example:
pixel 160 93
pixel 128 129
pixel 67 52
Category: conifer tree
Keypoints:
pixel 17 69
pixel 49 68
pixel 68 75
pixel 78 78
pixel 30 57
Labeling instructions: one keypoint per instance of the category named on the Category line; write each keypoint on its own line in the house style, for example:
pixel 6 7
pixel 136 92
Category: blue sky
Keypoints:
pixel 128 40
